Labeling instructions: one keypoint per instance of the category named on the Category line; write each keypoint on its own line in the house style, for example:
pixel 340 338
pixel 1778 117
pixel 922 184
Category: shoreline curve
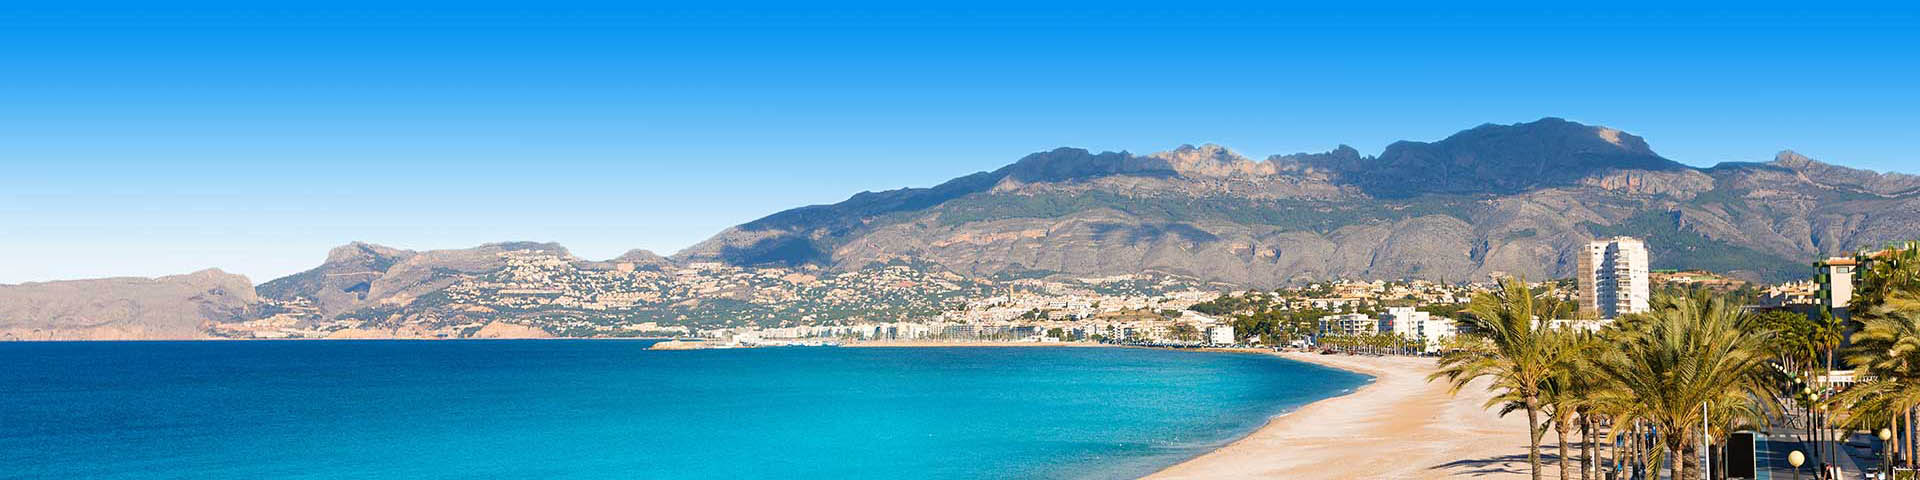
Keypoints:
pixel 1396 426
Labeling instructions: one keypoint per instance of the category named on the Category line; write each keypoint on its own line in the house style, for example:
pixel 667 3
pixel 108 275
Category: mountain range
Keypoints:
pixel 1495 199
pixel 1512 199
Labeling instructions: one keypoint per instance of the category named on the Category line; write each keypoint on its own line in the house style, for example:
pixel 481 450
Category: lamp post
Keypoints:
pixel 1825 458
pixel 1795 459
pixel 1806 393
pixel 1886 452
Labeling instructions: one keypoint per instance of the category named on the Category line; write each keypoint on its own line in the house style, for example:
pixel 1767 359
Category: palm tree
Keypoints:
pixel 1796 342
pixel 1689 352
pixel 1578 392
pixel 1568 397
pixel 1556 397
pixel 1623 414
pixel 1799 346
pixel 1829 333
pixel 1608 400
pixel 1518 353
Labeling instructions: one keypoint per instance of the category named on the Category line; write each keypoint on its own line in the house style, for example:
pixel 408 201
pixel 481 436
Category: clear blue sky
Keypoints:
pixel 147 138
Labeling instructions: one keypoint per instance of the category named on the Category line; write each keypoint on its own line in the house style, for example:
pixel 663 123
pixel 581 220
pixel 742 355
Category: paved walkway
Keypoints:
pixel 1773 452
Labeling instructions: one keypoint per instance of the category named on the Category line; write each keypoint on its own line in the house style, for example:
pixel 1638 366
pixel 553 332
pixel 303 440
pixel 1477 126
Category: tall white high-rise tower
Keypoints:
pixel 1613 277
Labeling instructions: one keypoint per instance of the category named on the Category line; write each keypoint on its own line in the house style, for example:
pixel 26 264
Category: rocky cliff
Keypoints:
pixel 173 307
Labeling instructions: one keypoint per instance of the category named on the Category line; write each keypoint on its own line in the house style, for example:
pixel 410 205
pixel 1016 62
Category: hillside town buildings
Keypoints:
pixel 1795 294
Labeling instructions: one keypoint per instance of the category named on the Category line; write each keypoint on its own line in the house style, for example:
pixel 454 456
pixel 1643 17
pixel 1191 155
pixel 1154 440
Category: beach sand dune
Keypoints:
pixel 1399 426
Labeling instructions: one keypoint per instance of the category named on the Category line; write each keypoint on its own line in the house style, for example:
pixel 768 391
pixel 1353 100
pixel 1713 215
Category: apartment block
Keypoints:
pixel 1613 277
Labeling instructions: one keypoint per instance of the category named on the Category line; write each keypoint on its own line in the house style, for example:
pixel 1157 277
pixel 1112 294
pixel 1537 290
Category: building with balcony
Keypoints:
pixel 1613 277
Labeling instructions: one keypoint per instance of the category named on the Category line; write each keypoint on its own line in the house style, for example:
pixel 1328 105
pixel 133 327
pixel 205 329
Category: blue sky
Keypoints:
pixel 147 140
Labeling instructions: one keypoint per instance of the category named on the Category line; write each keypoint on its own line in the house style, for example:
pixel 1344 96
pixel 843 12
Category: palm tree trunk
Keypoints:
pixel 1899 447
pixel 1641 454
pixel 1560 433
pixel 1609 452
pixel 1632 448
pixel 1677 449
pixel 1533 433
pixel 1586 447
pixel 1637 450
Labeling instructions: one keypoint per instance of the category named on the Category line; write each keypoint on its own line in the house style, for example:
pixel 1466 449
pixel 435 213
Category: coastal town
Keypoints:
pixel 742 306
pixel 714 305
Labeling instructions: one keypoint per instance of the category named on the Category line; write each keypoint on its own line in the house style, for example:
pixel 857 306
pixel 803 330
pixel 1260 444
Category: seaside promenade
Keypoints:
pixel 1399 426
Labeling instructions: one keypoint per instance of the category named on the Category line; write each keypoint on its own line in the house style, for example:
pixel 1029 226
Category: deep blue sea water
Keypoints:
pixel 611 409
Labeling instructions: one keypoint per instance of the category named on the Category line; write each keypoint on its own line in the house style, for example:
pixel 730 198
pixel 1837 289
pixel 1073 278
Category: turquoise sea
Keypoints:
pixel 612 409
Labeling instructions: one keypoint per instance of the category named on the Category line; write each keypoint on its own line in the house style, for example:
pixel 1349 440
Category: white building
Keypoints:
pixel 1404 322
pixel 1349 324
pixel 1412 324
pixel 1836 276
pixel 1613 277
pixel 1221 334
pixel 1436 330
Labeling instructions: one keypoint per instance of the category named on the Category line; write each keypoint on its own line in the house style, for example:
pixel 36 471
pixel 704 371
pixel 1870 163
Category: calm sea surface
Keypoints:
pixel 611 409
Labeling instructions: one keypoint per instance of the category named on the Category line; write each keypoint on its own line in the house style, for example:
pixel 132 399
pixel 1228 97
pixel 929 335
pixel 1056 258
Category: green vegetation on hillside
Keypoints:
pixel 1316 216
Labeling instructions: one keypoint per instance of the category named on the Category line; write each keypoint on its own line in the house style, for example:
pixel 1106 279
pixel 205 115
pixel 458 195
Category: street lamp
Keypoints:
pixel 1796 458
pixel 1821 435
pixel 1886 451
pixel 1806 393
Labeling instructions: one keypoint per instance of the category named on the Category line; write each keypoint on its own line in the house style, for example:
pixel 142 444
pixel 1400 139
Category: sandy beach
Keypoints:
pixel 1399 426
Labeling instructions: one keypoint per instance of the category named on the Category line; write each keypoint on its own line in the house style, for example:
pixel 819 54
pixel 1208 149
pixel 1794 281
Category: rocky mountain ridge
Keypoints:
pixel 1493 199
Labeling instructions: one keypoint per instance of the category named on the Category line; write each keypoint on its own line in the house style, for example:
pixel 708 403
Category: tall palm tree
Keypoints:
pixel 1689 352
pixel 1580 391
pixel 1829 333
pixel 1569 397
pixel 1558 397
pixel 1620 407
pixel 1622 412
pixel 1518 352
